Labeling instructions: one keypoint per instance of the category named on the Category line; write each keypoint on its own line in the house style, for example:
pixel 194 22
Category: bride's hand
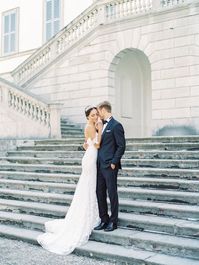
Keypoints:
pixel 99 125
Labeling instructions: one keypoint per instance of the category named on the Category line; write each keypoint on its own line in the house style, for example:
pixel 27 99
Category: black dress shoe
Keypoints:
pixel 101 226
pixel 110 227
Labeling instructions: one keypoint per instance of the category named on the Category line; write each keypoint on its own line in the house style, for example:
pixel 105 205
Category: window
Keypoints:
pixel 10 31
pixel 52 18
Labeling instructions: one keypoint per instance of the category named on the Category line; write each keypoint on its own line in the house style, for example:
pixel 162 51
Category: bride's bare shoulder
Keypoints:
pixel 89 131
pixel 89 127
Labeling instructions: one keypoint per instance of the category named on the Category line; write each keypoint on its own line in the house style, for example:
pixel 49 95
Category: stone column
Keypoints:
pixel 55 118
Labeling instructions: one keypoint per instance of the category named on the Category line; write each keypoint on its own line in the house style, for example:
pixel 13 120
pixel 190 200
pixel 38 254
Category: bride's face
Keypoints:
pixel 93 116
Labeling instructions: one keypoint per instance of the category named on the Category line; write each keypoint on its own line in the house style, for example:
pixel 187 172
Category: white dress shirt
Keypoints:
pixel 104 127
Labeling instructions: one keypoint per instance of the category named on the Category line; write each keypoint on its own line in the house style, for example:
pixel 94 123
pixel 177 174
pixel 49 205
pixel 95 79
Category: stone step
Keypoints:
pixel 136 222
pixel 161 173
pixel 130 193
pixel 167 244
pixel 67 147
pixel 33 208
pixel 129 146
pixel 153 163
pixel 72 132
pixel 126 204
pixel 42 177
pixel 163 146
pixel 166 139
pixel 55 184
pixel 153 139
pixel 126 171
pixel 66 125
pixel 53 187
pixel 185 155
pixel 70 135
pixel 33 222
pixel 136 257
pixel 76 140
pixel 140 181
pixel 47 154
pixel 111 252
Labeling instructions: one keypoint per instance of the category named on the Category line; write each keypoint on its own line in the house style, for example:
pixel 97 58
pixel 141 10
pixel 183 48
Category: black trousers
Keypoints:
pixel 107 181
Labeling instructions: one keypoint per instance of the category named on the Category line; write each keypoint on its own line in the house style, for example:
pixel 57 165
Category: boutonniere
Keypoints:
pixel 108 130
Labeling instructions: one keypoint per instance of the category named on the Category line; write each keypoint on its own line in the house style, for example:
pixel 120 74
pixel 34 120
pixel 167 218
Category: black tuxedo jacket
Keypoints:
pixel 112 145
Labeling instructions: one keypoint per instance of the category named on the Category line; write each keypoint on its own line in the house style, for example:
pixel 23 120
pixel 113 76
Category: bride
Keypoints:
pixel 64 235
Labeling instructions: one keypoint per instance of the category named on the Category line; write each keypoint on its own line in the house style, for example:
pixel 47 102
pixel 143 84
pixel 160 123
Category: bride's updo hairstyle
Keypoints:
pixel 88 110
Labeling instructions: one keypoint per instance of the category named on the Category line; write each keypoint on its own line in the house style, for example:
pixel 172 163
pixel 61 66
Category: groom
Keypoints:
pixel 108 163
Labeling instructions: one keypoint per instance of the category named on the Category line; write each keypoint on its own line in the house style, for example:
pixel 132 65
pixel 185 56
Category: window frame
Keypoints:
pixel 61 19
pixel 3 34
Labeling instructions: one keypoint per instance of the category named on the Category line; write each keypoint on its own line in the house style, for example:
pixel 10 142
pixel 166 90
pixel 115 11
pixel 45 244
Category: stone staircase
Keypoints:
pixel 158 190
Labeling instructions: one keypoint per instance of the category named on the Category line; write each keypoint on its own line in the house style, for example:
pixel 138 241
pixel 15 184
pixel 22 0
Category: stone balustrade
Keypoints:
pixel 121 9
pixel 46 116
pixel 101 12
pixel 166 3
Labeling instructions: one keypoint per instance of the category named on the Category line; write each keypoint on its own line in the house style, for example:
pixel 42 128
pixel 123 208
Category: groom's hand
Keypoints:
pixel 112 166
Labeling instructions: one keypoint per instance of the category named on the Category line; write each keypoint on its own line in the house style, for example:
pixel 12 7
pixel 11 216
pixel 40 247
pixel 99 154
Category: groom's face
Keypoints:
pixel 101 113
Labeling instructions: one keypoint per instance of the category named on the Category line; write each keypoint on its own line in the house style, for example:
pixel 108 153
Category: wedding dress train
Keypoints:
pixel 64 235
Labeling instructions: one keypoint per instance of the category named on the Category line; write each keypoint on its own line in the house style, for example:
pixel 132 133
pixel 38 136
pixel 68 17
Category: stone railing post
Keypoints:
pixel 55 118
pixel 101 20
pixel 4 97
pixel 53 50
pixel 156 4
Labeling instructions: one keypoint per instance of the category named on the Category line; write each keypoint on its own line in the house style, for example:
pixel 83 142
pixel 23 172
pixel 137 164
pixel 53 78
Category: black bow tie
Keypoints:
pixel 104 121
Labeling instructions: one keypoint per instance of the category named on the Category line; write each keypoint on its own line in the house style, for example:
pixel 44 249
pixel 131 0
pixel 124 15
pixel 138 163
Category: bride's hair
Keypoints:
pixel 88 110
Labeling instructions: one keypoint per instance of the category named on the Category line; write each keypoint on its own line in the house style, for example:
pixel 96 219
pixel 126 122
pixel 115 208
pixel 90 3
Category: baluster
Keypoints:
pixel 128 7
pixel 11 99
pixel 37 113
pixel 139 6
pixel 26 106
pixel 109 11
pixel 22 106
pixel 89 21
pixel 32 108
pixel 144 5
pixel 78 30
pixel 86 23
pixel 120 9
pixel 92 18
pixel 66 40
pixel 117 10
pixel 18 103
pixel 125 8
pixel 70 36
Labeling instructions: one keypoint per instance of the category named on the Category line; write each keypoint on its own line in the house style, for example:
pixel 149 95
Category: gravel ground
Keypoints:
pixel 13 252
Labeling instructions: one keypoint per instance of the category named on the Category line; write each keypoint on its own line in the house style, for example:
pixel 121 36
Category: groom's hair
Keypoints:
pixel 106 105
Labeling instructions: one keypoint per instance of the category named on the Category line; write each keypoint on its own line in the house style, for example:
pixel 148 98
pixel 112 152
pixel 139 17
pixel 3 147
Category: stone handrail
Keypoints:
pixel 100 12
pixel 31 107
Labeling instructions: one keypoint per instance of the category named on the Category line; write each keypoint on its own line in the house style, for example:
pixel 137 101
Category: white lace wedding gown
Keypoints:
pixel 64 235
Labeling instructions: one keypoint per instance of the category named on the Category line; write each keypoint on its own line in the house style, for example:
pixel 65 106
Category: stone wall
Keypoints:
pixel 170 40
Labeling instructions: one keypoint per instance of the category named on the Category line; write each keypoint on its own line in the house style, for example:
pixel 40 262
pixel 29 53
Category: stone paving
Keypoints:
pixel 13 252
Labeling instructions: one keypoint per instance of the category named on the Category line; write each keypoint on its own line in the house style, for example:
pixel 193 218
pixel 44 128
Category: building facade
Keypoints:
pixel 140 55
pixel 26 25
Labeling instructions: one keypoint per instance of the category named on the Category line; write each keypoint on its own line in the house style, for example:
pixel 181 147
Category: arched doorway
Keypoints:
pixel 130 86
